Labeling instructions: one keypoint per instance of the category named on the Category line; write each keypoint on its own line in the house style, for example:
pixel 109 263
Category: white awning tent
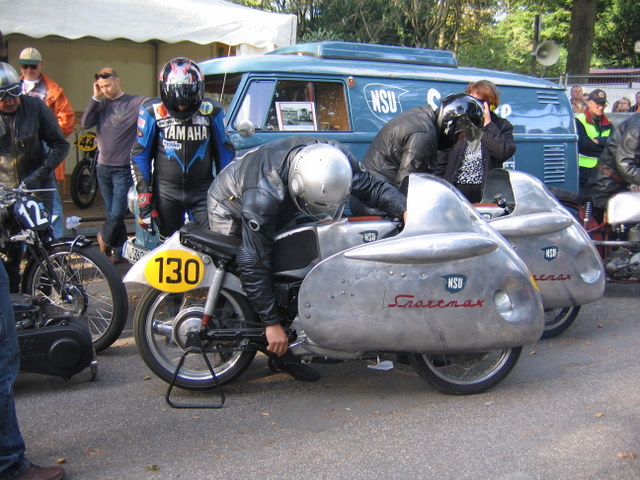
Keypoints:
pixel 171 21
pixel 136 37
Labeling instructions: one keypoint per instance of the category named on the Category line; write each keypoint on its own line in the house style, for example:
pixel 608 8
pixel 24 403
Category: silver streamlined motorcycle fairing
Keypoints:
pixel 555 247
pixel 447 283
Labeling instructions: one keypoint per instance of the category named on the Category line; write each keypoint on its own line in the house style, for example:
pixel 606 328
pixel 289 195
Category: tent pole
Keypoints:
pixel 155 66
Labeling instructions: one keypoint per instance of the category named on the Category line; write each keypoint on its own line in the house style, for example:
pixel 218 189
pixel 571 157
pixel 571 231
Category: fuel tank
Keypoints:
pixel 624 208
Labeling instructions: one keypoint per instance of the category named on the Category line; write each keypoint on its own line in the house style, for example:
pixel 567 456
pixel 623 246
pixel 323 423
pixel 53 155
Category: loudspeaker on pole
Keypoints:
pixel 547 53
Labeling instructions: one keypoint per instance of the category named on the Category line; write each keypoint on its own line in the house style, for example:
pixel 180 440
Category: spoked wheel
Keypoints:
pixel 91 289
pixel 557 320
pixel 83 184
pixel 466 373
pixel 162 321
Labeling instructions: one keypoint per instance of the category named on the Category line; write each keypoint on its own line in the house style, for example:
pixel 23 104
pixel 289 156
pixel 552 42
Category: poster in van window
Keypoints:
pixel 296 116
pixel 384 100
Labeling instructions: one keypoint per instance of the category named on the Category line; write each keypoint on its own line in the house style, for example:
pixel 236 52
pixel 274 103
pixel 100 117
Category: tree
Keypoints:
pixel 617 29
pixel 494 34
pixel 581 35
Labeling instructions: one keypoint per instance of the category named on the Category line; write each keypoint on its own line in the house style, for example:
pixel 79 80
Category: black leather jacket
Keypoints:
pixel 23 136
pixel 407 144
pixel 253 190
pixel 619 163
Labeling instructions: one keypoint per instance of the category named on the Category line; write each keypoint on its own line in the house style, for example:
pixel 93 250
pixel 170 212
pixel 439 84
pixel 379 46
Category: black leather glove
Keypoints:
pixel 41 178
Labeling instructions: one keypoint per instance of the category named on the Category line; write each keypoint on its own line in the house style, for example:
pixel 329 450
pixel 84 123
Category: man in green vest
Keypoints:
pixel 593 128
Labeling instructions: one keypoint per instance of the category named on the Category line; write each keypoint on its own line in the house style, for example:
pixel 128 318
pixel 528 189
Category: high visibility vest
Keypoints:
pixel 592 132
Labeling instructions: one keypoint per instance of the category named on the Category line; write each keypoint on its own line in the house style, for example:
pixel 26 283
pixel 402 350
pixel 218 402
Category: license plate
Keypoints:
pixel 133 252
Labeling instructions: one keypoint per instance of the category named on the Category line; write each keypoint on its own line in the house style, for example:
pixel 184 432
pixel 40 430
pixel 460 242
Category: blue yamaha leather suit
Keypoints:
pixel 176 160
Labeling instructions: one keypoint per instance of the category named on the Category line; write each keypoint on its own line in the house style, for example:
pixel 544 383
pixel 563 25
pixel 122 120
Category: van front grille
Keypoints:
pixel 548 97
pixel 555 163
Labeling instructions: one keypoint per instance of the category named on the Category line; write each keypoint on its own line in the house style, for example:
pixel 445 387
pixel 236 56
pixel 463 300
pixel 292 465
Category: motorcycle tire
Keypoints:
pixel 160 326
pixel 557 320
pixel 93 291
pixel 83 184
pixel 465 373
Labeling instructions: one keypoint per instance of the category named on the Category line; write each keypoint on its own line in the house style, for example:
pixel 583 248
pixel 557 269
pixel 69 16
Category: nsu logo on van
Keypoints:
pixel 384 100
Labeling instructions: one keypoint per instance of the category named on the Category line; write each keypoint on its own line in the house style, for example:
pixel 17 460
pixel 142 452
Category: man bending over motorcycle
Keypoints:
pixel 262 191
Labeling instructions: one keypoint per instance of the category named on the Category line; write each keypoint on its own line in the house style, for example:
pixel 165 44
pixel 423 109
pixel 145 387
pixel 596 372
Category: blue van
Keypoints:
pixel 348 91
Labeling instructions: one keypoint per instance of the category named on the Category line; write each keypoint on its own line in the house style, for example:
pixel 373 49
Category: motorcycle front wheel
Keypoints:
pixel 91 289
pixel 83 184
pixel 466 373
pixel 557 320
pixel 162 321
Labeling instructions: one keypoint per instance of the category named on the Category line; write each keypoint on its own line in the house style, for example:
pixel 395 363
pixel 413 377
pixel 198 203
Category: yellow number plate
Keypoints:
pixel 87 142
pixel 174 271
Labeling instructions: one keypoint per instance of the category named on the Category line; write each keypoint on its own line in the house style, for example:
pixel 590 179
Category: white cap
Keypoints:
pixel 30 56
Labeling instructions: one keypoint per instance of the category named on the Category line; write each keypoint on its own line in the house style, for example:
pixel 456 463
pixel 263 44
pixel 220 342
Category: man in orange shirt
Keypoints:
pixel 37 84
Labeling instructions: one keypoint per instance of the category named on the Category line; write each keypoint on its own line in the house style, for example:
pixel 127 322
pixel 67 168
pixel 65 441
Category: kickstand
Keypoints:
pixel 194 345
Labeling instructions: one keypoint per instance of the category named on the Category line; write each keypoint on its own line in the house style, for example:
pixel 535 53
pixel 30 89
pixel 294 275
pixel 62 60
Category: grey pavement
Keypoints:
pixel 569 410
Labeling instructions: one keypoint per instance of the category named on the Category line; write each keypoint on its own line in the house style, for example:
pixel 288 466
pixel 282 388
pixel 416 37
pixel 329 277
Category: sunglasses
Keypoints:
pixel 14 91
pixel 104 75
pixel 28 67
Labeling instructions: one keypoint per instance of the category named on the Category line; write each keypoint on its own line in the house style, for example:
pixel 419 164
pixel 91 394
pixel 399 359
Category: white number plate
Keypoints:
pixel 133 252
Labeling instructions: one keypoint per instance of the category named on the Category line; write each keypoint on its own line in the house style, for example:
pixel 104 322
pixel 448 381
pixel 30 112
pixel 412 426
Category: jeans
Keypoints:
pixel 114 184
pixel 12 446
pixel 57 213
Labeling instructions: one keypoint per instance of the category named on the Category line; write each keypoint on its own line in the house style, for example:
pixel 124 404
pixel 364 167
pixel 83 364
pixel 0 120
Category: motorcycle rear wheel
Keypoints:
pixel 92 290
pixel 83 185
pixel 466 373
pixel 557 320
pixel 160 326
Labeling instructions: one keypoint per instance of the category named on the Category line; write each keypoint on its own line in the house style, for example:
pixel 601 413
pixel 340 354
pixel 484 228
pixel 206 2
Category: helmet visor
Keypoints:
pixel 12 91
pixel 320 212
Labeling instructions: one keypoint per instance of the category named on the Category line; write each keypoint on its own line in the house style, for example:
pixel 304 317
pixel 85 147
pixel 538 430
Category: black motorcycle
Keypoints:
pixel 84 179
pixel 64 277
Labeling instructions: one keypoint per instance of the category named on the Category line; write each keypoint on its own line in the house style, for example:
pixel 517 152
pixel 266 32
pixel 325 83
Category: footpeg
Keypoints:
pixel 193 345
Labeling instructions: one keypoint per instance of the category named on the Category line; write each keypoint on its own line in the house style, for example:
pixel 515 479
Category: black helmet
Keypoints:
pixel 181 84
pixel 458 113
pixel 9 81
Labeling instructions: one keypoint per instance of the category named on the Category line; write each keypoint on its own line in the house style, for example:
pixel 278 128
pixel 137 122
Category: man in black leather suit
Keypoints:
pixel 262 191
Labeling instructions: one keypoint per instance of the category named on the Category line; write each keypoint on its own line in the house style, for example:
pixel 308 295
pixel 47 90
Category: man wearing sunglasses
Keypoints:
pixel 27 125
pixel 37 84
pixel 114 114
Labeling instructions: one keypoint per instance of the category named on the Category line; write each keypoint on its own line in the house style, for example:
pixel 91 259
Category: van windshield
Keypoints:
pixel 294 105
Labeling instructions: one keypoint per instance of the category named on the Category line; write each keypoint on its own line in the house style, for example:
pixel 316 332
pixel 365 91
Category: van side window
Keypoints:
pixel 327 99
pixel 255 103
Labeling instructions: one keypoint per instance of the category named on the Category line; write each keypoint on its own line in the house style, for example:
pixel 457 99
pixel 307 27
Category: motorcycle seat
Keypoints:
pixel 212 243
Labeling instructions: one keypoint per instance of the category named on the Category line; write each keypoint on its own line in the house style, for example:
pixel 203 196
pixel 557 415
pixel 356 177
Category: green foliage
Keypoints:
pixel 496 34
pixel 617 29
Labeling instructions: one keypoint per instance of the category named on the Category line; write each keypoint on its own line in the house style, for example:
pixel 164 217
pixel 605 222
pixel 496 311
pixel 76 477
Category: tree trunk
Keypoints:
pixel 581 35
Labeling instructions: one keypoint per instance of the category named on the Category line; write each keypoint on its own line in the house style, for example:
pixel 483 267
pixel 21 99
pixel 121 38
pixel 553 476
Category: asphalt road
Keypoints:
pixel 569 410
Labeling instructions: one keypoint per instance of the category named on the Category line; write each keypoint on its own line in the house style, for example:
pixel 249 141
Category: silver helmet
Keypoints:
pixel 320 181
pixel 9 81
